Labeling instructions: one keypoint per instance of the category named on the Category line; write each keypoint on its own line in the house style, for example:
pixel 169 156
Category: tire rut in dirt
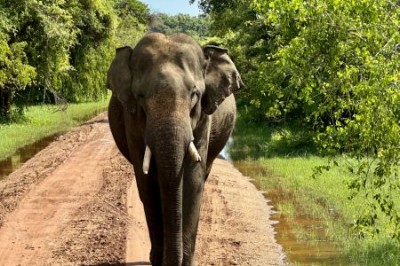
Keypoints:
pixel 97 234
pixel 20 182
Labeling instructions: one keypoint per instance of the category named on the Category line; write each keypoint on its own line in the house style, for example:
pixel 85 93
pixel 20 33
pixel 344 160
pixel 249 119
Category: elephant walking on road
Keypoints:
pixel 171 112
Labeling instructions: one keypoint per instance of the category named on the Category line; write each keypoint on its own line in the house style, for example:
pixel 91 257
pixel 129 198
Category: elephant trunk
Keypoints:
pixel 193 152
pixel 169 140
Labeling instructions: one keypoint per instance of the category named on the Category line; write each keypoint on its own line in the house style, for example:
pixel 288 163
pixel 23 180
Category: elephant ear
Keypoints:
pixel 119 78
pixel 221 78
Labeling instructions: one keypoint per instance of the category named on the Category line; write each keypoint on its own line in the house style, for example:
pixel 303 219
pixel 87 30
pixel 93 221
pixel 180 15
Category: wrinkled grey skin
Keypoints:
pixel 165 92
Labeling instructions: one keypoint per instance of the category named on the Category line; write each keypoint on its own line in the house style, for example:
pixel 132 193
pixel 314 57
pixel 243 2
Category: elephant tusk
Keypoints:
pixel 194 153
pixel 146 160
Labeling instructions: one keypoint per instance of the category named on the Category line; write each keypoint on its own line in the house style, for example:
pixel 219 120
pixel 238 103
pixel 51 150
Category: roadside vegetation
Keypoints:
pixel 45 120
pixel 58 52
pixel 195 26
pixel 282 158
pixel 322 100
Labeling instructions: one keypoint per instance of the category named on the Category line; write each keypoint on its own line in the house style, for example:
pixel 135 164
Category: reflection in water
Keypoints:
pixel 22 155
pixel 304 238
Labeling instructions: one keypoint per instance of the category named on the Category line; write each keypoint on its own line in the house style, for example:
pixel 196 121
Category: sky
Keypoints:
pixel 172 7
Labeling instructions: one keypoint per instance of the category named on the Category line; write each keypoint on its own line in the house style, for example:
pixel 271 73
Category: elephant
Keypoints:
pixel 171 111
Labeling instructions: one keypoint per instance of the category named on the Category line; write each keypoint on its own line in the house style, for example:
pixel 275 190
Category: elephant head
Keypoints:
pixel 207 77
pixel 171 84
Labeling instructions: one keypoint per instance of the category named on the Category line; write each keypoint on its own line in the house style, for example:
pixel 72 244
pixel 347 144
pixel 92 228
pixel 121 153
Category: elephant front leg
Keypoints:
pixel 193 187
pixel 150 197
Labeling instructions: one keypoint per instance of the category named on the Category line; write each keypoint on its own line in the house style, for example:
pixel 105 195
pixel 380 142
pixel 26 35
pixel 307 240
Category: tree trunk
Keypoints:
pixel 5 102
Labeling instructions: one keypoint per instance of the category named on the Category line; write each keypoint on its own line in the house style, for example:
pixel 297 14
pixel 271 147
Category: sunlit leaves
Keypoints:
pixel 340 67
pixel 60 50
pixel 15 72
pixel 195 26
pixel 335 66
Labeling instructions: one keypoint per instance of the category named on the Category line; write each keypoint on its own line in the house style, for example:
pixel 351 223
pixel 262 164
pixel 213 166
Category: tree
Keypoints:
pixel 333 66
pixel 68 44
pixel 133 8
pixel 196 26
pixel 95 24
pixel 49 32
pixel 215 6
pixel 132 23
pixel 15 72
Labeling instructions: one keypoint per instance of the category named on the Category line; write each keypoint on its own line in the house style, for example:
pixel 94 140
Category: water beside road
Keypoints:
pixel 304 238
pixel 12 163
pixel 23 154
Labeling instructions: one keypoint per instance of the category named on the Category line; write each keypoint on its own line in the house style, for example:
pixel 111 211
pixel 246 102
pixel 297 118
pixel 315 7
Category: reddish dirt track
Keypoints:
pixel 76 203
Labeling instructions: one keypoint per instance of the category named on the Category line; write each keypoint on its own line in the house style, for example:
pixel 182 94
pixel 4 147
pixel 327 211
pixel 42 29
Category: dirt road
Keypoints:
pixel 76 203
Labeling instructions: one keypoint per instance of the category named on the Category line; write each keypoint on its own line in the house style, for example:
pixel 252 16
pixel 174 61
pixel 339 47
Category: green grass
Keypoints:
pixel 283 159
pixel 42 121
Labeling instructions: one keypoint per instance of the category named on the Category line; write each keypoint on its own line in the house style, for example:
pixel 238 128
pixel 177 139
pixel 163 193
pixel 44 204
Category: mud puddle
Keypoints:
pixel 304 238
pixel 23 154
pixel 12 163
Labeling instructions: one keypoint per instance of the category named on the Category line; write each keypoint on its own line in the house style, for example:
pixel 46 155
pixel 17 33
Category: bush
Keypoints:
pixel 333 66
pixel 59 51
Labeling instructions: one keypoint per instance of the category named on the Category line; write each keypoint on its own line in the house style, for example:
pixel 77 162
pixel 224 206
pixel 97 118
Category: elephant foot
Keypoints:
pixel 156 258
pixel 156 262
pixel 189 263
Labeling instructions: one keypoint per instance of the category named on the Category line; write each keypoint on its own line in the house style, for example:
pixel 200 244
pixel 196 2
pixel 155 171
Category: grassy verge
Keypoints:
pixel 42 121
pixel 281 159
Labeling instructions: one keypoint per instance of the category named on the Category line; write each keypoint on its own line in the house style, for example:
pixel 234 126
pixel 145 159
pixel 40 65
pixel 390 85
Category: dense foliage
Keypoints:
pixel 196 26
pixel 15 72
pixel 133 19
pixel 333 66
pixel 53 51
